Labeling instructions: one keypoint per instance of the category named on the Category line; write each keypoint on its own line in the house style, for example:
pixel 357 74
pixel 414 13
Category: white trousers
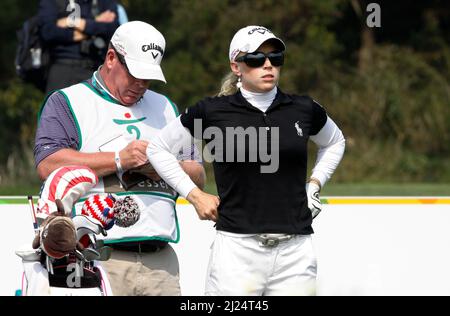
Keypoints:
pixel 242 266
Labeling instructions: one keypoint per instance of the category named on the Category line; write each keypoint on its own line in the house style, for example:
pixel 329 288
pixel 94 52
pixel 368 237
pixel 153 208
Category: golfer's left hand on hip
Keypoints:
pixel 314 204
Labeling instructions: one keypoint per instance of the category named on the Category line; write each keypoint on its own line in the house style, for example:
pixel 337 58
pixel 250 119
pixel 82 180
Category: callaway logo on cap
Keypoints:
pixel 143 47
pixel 249 38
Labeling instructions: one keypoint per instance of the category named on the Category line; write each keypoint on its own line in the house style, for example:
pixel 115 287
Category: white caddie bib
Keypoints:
pixel 100 119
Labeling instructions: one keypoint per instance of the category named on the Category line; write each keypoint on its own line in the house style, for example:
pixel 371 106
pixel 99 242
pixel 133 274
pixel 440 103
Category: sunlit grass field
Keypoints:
pixel 369 189
pixel 331 189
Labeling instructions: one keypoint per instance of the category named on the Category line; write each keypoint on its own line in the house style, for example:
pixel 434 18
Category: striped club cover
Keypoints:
pixel 68 184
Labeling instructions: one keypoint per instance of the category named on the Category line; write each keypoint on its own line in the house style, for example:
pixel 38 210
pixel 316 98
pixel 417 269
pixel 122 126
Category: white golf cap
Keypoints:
pixel 249 38
pixel 143 48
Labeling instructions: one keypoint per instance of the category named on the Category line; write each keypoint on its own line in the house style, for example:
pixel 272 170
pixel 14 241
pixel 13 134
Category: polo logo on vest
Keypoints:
pixel 152 46
pixel 260 30
pixel 131 129
pixel 298 128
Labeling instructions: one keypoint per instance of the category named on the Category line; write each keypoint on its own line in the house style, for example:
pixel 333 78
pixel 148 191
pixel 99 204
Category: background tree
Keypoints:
pixel 387 87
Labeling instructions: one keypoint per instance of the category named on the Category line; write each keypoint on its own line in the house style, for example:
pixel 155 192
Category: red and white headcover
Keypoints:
pixel 68 184
pixel 101 208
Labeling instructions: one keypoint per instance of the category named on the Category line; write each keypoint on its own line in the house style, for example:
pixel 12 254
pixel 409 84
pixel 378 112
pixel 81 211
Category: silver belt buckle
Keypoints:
pixel 268 240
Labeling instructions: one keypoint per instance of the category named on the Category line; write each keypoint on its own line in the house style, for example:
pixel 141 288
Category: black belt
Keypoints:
pixel 148 246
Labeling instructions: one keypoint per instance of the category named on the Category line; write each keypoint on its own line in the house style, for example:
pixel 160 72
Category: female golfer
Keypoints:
pixel 257 136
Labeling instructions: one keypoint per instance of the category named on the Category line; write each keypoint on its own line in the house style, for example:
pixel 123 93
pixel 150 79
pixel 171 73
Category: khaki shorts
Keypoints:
pixel 144 273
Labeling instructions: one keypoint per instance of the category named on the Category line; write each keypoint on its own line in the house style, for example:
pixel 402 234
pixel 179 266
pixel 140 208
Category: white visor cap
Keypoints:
pixel 249 38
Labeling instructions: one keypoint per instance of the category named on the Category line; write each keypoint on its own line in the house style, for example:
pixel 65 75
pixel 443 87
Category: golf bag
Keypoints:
pixel 76 274
pixel 65 254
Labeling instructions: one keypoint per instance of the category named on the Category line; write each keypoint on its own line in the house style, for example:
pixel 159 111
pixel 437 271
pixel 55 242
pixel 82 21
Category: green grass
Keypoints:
pixel 17 190
pixel 331 189
pixel 370 189
pixel 9 201
pixel 386 189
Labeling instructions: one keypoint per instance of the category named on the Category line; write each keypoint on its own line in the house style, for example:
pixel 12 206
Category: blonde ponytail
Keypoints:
pixel 228 85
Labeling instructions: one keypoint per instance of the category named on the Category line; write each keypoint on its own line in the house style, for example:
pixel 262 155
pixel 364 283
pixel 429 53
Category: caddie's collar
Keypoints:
pixel 99 84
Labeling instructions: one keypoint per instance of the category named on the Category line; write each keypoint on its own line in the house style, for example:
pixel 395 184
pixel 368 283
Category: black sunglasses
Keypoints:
pixel 257 59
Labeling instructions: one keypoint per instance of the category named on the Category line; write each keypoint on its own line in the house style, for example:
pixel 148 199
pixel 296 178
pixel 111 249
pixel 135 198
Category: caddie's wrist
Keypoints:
pixel 117 161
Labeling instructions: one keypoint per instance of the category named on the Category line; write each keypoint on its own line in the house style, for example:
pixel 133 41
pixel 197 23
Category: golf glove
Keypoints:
pixel 314 204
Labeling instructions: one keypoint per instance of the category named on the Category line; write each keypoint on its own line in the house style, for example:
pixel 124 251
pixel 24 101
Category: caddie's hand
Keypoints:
pixel 314 204
pixel 134 155
pixel 205 204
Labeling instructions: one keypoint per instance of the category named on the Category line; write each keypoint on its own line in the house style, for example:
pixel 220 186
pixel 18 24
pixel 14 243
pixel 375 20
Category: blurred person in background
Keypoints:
pixel 122 14
pixel 77 34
